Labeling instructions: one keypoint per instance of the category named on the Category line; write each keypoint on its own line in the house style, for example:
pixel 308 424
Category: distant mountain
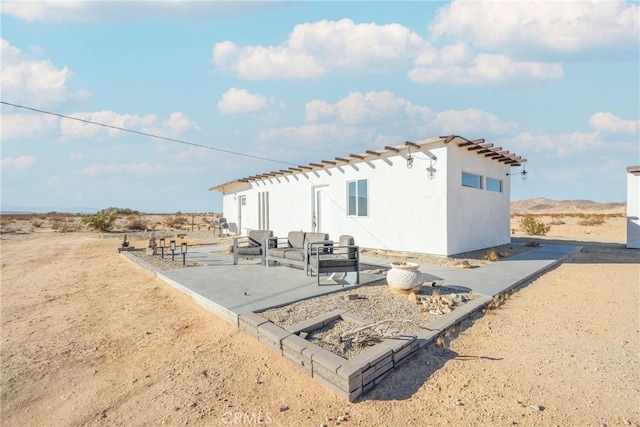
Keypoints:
pixel 11 209
pixel 566 206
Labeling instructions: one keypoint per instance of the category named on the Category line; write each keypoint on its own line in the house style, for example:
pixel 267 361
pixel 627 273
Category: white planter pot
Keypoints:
pixel 404 278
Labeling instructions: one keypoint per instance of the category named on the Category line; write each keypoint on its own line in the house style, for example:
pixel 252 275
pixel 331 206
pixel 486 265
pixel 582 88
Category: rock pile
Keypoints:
pixel 436 303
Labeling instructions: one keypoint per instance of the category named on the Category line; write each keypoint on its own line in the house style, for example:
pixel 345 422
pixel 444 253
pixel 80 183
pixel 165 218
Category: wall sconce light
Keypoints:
pixel 523 173
pixel 172 246
pixel 409 160
pixel 162 247
pixel 183 251
pixel 431 171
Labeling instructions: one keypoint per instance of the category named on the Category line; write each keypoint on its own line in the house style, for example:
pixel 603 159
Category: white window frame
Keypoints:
pixel 496 180
pixel 357 199
pixel 479 187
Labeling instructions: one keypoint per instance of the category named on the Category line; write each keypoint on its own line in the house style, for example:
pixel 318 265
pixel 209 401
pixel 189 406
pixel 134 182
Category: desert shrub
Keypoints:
pixel 63 225
pixel 123 211
pixel 531 226
pixel 176 221
pixel 7 229
pixel 557 221
pixel 492 255
pixel 37 223
pixel 68 226
pixel 136 223
pixel 592 220
pixel 102 221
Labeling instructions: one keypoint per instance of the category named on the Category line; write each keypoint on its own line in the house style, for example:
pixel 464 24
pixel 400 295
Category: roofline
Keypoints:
pixel 633 169
pixel 477 145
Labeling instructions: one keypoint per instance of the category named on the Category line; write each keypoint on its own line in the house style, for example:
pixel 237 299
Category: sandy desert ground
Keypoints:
pixel 90 338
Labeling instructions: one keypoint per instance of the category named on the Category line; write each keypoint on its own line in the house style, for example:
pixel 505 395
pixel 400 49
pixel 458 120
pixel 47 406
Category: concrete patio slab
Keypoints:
pixel 236 292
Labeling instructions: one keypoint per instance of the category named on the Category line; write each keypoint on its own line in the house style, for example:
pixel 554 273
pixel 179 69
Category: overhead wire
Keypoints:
pixel 165 138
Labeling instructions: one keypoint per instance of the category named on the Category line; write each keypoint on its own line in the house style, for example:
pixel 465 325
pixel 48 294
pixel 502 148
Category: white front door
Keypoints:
pixel 320 199
pixel 242 204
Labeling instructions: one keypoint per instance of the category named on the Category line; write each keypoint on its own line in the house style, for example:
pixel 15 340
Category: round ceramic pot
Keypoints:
pixel 405 277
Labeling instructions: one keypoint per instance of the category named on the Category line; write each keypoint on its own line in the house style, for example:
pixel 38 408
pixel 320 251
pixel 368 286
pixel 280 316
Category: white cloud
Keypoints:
pixel 135 169
pixel 456 66
pixel 370 107
pixel 236 101
pixel 311 142
pixel 561 26
pixel 177 124
pixel 28 126
pixel 319 48
pixel 76 156
pixel 561 144
pixel 33 81
pixel 20 163
pixel 315 49
pixel 91 11
pixel 609 122
pixel 470 121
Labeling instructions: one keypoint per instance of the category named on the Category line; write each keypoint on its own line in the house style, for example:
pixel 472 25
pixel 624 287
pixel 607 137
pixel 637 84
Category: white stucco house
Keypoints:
pixel 444 195
pixel 633 207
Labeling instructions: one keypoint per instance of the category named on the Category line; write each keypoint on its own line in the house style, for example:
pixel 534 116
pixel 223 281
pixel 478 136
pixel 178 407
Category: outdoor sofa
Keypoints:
pixel 294 249
pixel 315 253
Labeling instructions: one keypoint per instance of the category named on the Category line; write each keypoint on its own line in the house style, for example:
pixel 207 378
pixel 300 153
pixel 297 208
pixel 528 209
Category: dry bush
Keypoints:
pixel 136 223
pixel 556 220
pixel 64 225
pixel 176 221
pixel 592 220
pixel 531 226
pixel 492 255
pixel 37 223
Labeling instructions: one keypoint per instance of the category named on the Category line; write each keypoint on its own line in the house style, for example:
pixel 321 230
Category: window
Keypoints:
pixel 494 185
pixel 471 180
pixel 357 198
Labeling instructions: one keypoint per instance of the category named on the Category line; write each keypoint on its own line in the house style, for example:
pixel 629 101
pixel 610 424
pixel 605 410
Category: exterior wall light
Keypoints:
pixel 523 173
pixel 172 246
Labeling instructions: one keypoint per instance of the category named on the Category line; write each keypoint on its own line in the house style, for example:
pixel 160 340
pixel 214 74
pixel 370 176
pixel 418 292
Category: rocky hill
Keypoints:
pixel 539 206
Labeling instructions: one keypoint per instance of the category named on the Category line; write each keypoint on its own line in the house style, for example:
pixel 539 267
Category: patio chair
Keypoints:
pixel 221 225
pixel 341 258
pixel 251 246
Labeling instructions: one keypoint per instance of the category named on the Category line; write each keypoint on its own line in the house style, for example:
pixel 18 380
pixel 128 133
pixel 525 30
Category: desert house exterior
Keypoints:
pixel 443 195
pixel 633 207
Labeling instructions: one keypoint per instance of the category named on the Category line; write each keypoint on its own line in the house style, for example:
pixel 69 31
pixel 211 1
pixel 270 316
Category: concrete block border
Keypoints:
pixel 349 378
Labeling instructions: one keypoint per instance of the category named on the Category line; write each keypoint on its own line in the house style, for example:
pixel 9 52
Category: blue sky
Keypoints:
pixel 297 82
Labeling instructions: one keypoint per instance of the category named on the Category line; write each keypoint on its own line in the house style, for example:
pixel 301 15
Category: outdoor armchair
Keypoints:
pixel 254 245
pixel 341 258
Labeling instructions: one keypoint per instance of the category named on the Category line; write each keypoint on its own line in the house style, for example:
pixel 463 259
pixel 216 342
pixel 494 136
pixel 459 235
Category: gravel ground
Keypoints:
pixel 374 303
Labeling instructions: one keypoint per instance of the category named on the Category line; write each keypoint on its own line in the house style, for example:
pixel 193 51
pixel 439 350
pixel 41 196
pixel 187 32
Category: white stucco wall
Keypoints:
pixel 477 218
pixel 633 209
pixel 408 211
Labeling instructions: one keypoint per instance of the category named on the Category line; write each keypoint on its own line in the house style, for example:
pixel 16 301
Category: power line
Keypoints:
pixel 237 153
